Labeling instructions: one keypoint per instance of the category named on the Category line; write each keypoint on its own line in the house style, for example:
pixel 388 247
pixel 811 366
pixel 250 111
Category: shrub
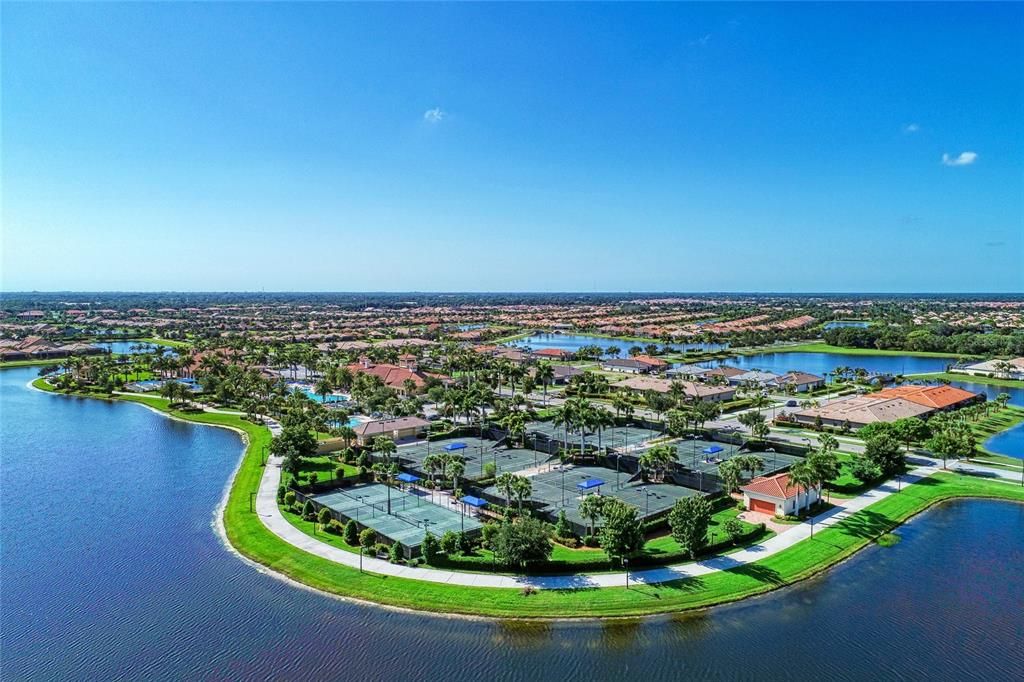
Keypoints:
pixel 289 498
pixel 590 541
pixel 528 590
pixel 395 553
pixel 282 493
pixel 336 527
pixel 351 535
pixel 382 549
pixel 490 470
pixel 563 529
pixel 734 529
pixel 741 506
pixel 324 516
pixel 339 472
pixel 309 510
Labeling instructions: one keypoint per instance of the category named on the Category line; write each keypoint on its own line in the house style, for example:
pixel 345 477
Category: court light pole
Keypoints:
pixel 625 564
pixel 775 463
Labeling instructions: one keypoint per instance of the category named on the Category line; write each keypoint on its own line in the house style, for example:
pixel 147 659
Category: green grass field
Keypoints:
pixel 822 347
pixel 952 376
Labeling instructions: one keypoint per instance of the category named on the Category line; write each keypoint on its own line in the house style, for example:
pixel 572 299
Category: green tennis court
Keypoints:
pixel 475 452
pixel 412 513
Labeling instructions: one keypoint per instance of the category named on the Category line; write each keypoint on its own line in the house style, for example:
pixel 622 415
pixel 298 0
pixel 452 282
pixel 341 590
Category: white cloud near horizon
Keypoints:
pixel 435 115
pixel 911 128
pixel 964 159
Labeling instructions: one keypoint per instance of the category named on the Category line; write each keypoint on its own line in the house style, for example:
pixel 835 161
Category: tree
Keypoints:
pixel 562 527
pixel 522 542
pixel 825 465
pixel 802 477
pixel 689 520
pixel 351 533
pixel 309 510
pixel 450 543
pixel 367 539
pixel 324 516
pixel 504 483
pixel 622 533
pixel 395 553
pixel 910 429
pixel 884 451
pixel 384 445
pixel 430 548
pixel 864 469
pixel 591 508
pixel 729 474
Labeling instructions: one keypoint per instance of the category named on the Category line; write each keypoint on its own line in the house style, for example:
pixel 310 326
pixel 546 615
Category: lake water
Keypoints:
pixel 1009 442
pixel 112 570
pixel 819 363
pixel 839 324
pixel 125 347
pixel 573 342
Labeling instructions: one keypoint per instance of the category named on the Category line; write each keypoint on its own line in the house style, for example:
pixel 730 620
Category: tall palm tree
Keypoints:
pixel 545 375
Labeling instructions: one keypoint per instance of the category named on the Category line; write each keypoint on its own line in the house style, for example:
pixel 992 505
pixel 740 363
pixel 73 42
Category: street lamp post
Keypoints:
pixel 625 564
pixel 774 458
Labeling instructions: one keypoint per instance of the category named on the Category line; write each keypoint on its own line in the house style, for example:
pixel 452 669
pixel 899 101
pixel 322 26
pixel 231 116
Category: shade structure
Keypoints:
pixel 473 501
pixel 455 446
pixel 713 449
pixel 589 483
pixel 407 478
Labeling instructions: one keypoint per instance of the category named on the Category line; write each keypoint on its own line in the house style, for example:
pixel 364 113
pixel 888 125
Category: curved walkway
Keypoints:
pixel 270 515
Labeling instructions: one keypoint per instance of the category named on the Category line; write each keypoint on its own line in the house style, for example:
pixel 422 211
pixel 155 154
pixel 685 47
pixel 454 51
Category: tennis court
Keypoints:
pixel 705 456
pixel 412 513
pixel 475 452
pixel 564 487
pixel 619 437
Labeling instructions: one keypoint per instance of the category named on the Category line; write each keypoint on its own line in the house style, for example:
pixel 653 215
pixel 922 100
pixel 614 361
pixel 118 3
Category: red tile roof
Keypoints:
pixel 773 486
pixel 938 397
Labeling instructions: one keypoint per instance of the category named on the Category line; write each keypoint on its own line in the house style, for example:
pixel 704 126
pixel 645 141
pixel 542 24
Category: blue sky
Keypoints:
pixel 515 147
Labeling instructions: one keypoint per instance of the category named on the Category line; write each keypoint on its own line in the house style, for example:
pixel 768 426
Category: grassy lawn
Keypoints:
pixel 250 537
pixel 172 343
pixel 822 347
pixel 323 466
pixel 953 376
pixel 30 363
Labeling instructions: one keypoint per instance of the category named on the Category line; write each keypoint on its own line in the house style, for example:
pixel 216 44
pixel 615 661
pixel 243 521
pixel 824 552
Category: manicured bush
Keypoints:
pixel 395 553
pixel 309 510
pixel 336 527
pixel 382 549
pixel 289 498
pixel 324 516
pixel 282 493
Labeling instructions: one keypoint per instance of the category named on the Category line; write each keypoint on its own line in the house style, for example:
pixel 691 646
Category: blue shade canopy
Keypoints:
pixel 473 501
pixel 407 478
pixel 713 449
pixel 455 446
pixel 590 483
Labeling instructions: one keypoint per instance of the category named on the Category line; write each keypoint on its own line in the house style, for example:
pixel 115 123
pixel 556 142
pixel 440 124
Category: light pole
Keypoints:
pixel 625 564
pixel 647 501
pixel 562 467
pixel 774 458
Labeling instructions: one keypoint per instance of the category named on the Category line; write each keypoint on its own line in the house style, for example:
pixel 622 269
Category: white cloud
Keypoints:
pixel 435 115
pixel 702 41
pixel 911 128
pixel 965 159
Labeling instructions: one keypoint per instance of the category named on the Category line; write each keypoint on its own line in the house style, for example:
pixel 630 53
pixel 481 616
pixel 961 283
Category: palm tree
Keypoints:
pixel 432 464
pixel 591 508
pixel 545 374
pixel 505 483
pixel 802 476
pixel 522 488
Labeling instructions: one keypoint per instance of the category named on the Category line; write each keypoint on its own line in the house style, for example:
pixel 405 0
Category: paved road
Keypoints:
pixel 270 515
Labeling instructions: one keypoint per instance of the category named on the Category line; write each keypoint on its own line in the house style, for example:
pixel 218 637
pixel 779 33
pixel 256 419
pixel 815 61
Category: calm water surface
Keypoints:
pixel 111 570
pixel 819 363
pixel 573 342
